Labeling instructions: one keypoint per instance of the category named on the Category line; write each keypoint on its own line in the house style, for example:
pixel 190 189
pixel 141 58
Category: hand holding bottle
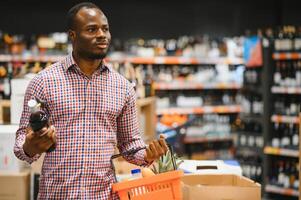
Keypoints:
pixel 40 141
pixel 40 136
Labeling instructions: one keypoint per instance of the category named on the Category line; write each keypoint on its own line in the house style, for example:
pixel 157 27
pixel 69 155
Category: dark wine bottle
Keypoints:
pixel 38 118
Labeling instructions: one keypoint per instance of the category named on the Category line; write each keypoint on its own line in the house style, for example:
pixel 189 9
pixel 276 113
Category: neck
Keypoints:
pixel 87 66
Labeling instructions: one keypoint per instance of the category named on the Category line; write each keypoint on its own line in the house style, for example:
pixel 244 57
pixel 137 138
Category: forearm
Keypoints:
pixel 137 158
pixel 19 150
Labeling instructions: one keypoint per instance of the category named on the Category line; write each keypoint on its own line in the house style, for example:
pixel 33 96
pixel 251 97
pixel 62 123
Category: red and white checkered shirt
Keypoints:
pixel 91 116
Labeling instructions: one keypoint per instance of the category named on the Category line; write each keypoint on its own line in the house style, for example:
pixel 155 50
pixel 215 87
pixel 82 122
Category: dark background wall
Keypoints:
pixel 154 18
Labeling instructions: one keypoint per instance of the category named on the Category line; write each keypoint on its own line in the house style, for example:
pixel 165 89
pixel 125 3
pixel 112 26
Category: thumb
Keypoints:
pixel 162 136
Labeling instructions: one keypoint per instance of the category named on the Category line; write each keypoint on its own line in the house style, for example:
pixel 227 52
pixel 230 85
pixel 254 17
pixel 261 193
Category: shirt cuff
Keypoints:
pixel 140 155
pixel 26 158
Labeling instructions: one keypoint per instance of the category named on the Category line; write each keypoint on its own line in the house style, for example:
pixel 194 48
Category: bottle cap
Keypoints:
pixel 136 171
pixel 33 105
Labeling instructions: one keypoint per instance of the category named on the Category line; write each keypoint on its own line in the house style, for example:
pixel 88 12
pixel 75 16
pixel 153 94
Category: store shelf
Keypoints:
pixel 145 101
pixel 193 140
pixel 171 60
pixel 183 85
pixel 175 60
pixel 253 149
pixel 286 90
pixel 281 152
pixel 20 58
pixel 253 67
pixel 252 88
pixel 285 119
pixel 200 110
pixel 252 117
pixel 279 190
pixel 286 56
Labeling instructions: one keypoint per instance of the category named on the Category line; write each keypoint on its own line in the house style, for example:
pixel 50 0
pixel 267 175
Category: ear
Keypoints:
pixel 72 35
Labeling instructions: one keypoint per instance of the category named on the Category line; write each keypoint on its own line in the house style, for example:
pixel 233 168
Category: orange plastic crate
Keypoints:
pixel 165 186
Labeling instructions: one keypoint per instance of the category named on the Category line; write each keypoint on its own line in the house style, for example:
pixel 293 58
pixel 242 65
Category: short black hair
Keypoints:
pixel 74 10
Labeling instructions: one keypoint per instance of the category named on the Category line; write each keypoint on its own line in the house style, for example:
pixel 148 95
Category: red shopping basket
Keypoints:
pixel 165 186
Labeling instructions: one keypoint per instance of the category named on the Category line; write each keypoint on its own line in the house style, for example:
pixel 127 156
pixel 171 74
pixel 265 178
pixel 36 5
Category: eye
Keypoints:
pixel 91 30
pixel 105 29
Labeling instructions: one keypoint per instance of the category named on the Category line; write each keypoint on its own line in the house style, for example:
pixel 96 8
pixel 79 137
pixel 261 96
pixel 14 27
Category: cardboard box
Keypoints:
pixel 211 167
pixel 36 168
pixel 219 187
pixel 14 186
pixel 8 160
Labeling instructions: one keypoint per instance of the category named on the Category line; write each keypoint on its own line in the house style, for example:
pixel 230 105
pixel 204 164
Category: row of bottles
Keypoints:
pixel 12 70
pixel 53 44
pixel 251 165
pixel 252 76
pixel 192 98
pixel 285 135
pixel 140 76
pixel 288 38
pixel 284 173
pixel 210 126
pixel 252 104
pixel 188 46
pixel 287 73
pixel 287 105
pixel 248 126
pixel 6 74
pixel 206 74
pixel 250 140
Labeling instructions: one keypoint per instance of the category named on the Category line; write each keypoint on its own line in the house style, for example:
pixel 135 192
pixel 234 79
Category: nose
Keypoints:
pixel 100 33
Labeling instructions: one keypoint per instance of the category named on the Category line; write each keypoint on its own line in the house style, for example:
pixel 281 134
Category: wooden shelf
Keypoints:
pixel 145 101
pixel 285 119
pixel 279 190
pixel 186 85
pixel 3 104
pixel 193 140
pixel 146 108
pixel 286 90
pixel 281 152
pixel 201 110
pixel 287 56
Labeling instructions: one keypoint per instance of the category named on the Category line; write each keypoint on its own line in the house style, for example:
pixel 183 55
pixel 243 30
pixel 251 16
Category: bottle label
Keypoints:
pixel 285 141
pixel 277 78
pixel 297 44
pixel 275 142
pixel 295 140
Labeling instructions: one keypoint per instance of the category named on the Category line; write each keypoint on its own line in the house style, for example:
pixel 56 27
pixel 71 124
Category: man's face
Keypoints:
pixel 91 36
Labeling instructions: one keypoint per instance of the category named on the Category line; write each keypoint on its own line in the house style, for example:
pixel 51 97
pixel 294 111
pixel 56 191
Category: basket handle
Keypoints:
pixel 133 151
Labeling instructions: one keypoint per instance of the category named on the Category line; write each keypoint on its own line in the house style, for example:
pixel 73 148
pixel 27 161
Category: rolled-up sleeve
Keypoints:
pixel 128 134
pixel 34 89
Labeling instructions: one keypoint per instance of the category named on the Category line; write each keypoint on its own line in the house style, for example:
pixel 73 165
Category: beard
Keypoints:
pixel 93 56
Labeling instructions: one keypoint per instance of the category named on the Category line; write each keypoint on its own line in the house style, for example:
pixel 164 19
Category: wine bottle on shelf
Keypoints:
pixel 7 81
pixel 285 139
pixel 297 40
pixel 295 136
pixel 276 135
pixel 281 174
pixel 277 74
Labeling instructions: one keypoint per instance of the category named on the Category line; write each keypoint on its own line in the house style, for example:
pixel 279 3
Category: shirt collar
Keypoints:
pixel 69 62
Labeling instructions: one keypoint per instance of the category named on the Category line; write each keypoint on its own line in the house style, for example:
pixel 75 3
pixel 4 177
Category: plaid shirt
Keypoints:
pixel 91 116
